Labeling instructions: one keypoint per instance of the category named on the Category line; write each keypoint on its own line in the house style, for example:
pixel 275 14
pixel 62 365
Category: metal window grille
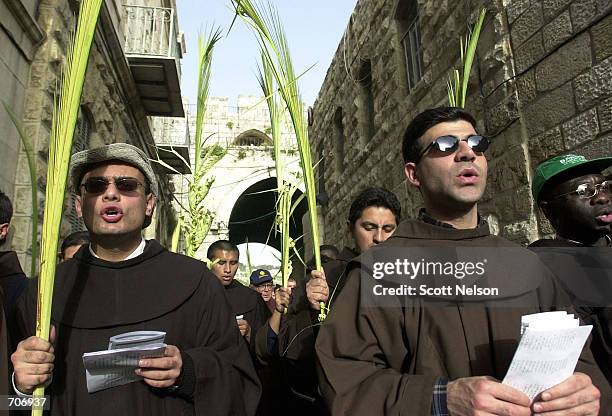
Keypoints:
pixel 413 52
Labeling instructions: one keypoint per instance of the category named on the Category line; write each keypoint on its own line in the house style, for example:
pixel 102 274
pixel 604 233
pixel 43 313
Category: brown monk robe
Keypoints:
pixel 296 339
pixel 158 290
pixel 386 360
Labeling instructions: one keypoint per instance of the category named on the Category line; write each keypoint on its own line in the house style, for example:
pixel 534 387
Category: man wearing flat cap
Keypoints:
pixel 121 283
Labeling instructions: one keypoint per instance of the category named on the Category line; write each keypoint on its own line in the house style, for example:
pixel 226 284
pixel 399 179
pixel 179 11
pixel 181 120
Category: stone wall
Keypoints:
pixel 19 38
pixel 540 86
pixel 107 106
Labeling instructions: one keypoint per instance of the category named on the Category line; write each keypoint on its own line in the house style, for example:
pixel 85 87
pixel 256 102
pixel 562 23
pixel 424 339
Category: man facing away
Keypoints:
pixel 121 283
pixel 415 357
pixel 576 198
pixel 372 218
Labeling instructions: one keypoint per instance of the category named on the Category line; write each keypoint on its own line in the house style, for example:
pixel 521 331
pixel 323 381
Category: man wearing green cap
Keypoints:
pixel 576 198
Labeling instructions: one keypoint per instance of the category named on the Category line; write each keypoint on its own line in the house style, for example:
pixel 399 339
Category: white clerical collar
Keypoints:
pixel 137 252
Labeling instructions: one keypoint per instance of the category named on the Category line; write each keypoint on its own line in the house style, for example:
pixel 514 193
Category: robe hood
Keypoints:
pixel 132 291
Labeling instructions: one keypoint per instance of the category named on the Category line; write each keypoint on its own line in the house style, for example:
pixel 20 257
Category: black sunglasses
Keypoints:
pixel 100 185
pixel 449 144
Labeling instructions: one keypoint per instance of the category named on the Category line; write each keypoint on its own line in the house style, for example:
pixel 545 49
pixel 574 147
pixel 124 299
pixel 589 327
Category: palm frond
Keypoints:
pixel 33 185
pixel 458 84
pixel 65 113
pixel 267 26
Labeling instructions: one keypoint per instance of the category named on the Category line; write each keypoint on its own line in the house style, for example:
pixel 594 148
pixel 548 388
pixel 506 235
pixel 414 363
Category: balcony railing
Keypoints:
pixel 154 52
pixel 150 31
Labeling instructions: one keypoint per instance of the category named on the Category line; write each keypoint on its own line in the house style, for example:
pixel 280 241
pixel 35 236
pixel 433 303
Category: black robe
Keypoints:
pixel 158 290
pixel 13 282
pixel 586 274
pixel 249 304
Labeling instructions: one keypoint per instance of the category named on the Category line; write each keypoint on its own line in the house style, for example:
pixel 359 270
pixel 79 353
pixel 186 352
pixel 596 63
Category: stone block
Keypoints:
pixel 604 112
pixel 520 232
pixel 552 7
pixel 514 9
pixel 604 6
pixel 21 237
pixel 557 31
pixel 602 39
pixel 580 129
pixel 564 64
pixel 529 52
pixel 526 87
pixel 583 12
pixel 550 110
pixel 544 226
pixel 527 24
pixel 508 140
pixel 594 85
pixel 600 147
pixel 22 202
pixel 509 172
pixel 545 146
pixel 501 115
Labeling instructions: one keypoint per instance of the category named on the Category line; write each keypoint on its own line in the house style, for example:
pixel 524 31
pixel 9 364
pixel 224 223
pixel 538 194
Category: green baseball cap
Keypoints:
pixel 556 165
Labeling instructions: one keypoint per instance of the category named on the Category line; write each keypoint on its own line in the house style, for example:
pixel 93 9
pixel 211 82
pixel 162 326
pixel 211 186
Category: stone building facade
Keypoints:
pixel 541 86
pixel 115 105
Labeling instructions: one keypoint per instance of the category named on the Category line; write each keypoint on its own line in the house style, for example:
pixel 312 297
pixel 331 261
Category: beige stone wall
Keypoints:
pixel 106 103
pixel 541 86
pixel 19 37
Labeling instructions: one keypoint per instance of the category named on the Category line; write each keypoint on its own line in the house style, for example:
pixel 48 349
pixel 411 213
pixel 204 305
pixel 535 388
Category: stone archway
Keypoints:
pixel 254 212
pixel 252 137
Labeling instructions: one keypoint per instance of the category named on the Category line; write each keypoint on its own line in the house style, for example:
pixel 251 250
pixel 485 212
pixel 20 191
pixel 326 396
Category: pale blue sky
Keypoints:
pixel 314 29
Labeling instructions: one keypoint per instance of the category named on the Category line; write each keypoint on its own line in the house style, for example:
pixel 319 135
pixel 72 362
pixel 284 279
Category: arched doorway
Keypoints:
pixel 253 215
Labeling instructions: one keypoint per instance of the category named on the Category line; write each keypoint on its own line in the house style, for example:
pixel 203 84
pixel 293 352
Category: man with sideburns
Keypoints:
pixel 417 356
pixel 121 283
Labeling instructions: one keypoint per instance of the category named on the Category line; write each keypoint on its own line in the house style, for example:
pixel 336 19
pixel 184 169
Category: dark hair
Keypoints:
pixel 374 197
pixel 75 239
pixel 426 120
pixel 6 208
pixel 221 245
pixel 329 247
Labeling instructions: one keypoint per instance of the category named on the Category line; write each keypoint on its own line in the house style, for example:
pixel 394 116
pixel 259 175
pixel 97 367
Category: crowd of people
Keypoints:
pixel 262 349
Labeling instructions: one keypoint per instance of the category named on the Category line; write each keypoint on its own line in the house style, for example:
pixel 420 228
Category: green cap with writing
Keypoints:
pixel 556 165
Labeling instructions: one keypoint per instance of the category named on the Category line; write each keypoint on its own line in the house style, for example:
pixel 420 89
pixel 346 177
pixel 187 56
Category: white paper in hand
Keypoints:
pixel 116 366
pixel 547 354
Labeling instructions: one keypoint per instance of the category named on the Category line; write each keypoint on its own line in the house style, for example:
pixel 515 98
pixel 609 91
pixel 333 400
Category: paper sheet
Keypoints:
pixel 545 358
pixel 116 366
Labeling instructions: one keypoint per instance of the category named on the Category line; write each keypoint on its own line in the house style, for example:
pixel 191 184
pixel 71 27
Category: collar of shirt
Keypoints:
pixel 137 252
pixel 425 217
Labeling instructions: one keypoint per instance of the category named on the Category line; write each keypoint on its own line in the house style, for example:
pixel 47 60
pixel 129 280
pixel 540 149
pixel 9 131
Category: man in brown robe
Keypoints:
pixel 373 217
pixel 576 198
pixel 121 283
pixel 415 357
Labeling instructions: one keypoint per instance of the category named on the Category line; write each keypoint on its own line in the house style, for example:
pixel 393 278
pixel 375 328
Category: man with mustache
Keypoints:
pixel 576 198
pixel 372 218
pixel 443 356
pixel 121 283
